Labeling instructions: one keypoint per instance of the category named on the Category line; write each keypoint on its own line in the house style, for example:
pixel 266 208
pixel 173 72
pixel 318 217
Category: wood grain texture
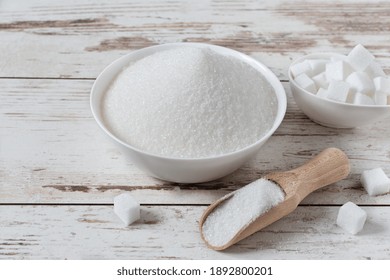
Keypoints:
pixel 77 39
pixel 52 151
pixel 171 232
pixel 59 174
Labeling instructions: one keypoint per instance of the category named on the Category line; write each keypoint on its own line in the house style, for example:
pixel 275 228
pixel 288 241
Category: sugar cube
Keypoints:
pixel 338 91
pixel 382 84
pixel 360 82
pixel 306 83
pixel 323 93
pixel 317 65
pixel 375 181
pixel 301 68
pixel 380 98
pixel 320 80
pixel 355 79
pixel 351 218
pixel 350 97
pixel 362 99
pixel 334 58
pixel 359 58
pixel 374 70
pixel 337 70
pixel 126 208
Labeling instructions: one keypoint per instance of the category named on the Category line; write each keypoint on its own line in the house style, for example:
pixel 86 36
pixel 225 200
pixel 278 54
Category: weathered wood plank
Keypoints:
pixel 51 151
pixel 77 39
pixel 81 232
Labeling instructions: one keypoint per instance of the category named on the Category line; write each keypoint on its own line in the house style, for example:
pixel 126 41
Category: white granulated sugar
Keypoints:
pixel 245 205
pixel 189 102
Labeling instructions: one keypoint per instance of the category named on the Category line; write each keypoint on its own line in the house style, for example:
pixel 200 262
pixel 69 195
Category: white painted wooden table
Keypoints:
pixel 59 174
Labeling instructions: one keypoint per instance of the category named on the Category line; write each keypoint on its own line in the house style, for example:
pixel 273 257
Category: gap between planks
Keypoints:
pixel 169 204
pixel 100 204
pixel 47 78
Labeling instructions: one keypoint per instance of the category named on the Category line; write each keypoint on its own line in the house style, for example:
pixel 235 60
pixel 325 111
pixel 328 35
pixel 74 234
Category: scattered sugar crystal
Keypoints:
pixel 360 82
pixel 351 218
pixel 301 68
pixel 375 181
pixel 321 81
pixel 306 83
pixel 338 70
pixel 126 208
pixel 189 102
pixel 338 91
pixel 243 207
pixel 360 58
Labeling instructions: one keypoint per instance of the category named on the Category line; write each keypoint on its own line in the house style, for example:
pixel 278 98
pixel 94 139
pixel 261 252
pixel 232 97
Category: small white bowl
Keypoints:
pixel 176 169
pixel 332 113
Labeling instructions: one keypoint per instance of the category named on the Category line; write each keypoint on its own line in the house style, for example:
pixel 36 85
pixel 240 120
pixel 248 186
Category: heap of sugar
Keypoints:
pixel 189 102
pixel 243 207
pixel 126 208
pixel 375 181
pixel 351 218
pixel 356 78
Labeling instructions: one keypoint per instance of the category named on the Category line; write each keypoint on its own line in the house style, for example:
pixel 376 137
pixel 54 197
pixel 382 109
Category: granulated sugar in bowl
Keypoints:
pixel 189 103
pixel 188 112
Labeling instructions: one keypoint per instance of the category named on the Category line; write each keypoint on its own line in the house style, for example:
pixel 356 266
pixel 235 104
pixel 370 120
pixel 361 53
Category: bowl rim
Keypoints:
pixel 338 103
pixel 258 66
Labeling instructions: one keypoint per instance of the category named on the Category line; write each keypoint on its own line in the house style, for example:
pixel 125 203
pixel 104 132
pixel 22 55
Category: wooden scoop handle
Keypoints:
pixel 329 166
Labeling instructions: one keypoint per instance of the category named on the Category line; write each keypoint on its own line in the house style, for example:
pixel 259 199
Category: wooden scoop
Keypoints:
pixel 328 167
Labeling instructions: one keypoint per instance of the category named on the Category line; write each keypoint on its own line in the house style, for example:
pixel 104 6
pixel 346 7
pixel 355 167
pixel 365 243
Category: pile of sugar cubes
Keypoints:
pixel 356 78
pixel 351 217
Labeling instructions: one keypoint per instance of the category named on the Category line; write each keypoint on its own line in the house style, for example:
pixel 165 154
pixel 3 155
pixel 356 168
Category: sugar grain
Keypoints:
pixel 244 206
pixel 189 102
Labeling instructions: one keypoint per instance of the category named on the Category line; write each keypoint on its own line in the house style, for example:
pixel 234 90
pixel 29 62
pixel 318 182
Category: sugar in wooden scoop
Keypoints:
pixel 244 207
pixel 189 102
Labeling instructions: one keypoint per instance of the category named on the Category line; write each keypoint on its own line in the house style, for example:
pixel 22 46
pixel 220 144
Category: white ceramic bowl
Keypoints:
pixel 176 169
pixel 332 113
